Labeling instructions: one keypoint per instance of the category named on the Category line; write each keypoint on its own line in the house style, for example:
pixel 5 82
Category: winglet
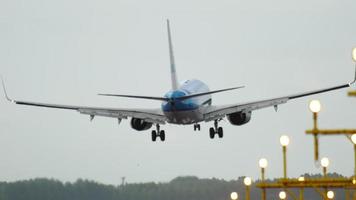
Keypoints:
pixel 3 86
pixel 353 82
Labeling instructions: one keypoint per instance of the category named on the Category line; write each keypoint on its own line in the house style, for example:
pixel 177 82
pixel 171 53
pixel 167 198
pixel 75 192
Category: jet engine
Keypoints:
pixel 140 124
pixel 239 118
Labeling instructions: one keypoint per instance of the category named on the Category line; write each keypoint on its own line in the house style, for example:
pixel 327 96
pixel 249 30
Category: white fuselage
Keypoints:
pixel 186 111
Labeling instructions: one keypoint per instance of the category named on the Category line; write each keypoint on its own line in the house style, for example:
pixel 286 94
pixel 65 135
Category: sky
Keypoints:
pixel 67 51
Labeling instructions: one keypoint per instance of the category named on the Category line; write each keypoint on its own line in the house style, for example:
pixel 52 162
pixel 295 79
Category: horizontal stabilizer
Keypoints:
pixel 167 99
pixel 206 93
pixel 137 97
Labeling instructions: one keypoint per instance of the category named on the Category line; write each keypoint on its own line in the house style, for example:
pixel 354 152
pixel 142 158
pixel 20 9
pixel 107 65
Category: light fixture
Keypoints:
pixel 284 140
pixel 247 181
pixel 354 54
pixel 282 195
pixel 315 106
pixel 330 194
pixel 353 138
pixel 301 179
pixel 325 162
pixel 234 196
pixel 263 163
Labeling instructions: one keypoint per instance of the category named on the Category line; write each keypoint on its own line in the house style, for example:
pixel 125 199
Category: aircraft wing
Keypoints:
pixel 149 115
pixel 218 112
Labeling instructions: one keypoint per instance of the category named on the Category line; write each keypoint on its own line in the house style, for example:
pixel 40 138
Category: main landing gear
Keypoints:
pixel 158 133
pixel 196 127
pixel 216 130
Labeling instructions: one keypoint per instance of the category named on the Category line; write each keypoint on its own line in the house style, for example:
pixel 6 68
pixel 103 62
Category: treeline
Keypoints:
pixel 181 188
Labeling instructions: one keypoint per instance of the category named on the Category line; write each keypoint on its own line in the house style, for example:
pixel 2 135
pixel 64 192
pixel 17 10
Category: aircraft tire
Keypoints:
pixel 220 132
pixel 211 133
pixel 162 135
pixel 154 136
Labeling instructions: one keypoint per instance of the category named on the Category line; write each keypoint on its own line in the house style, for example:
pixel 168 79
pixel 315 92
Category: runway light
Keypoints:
pixel 315 106
pixel 301 179
pixel 325 162
pixel 353 138
pixel 263 163
pixel 247 181
pixel 234 196
pixel 282 195
pixel 330 194
pixel 284 140
pixel 354 181
pixel 354 54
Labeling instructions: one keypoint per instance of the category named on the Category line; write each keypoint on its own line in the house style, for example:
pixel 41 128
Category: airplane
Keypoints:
pixel 188 103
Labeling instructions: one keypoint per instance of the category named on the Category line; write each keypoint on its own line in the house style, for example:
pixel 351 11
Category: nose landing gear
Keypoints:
pixel 158 133
pixel 196 127
pixel 216 130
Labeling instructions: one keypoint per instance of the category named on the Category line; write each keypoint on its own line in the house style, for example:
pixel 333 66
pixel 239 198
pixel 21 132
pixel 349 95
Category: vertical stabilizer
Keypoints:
pixel 171 57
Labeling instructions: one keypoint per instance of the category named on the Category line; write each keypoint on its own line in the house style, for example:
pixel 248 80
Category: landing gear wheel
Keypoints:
pixel 158 133
pixel 216 130
pixel 212 133
pixel 220 132
pixel 196 127
pixel 162 135
pixel 154 136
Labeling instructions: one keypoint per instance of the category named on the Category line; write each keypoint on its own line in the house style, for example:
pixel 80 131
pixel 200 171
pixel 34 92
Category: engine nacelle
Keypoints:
pixel 239 118
pixel 140 124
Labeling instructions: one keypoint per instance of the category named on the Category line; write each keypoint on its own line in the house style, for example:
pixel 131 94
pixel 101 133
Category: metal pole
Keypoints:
pixel 247 192
pixel 301 194
pixel 263 181
pixel 325 188
pixel 347 194
pixel 315 119
pixel 315 130
pixel 284 162
pixel 316 148
pixel 355 160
